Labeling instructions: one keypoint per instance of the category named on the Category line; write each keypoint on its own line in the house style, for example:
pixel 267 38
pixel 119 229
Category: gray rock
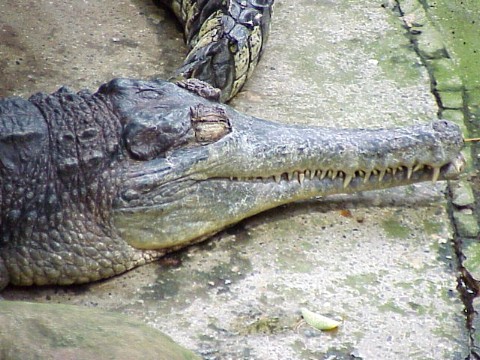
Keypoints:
pixel 466 223
pixel 462 194
pixel 44 331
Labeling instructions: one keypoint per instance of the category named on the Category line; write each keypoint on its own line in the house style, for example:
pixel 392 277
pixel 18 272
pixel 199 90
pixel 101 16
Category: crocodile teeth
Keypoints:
pixel 301 177
pixel 417 167
pixel 409 173
pixel 459 164
pixel 436 174
pixel 367 176
pixel 380 177
pixel 346 182
pixel 296 175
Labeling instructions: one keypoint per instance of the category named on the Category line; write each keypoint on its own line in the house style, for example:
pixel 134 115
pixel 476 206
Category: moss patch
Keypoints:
pixel 395 229
pixel 459 23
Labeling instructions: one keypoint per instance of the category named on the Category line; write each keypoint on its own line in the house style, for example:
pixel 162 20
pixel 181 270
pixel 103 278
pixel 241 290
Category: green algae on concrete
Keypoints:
pixel 263 324
pixel 466 223
pixel 471 251
pixel 395 229
pixel 174 289
pixel 446 75
pixel 472 99
pixel 459 23
pixel 451 99
pixel 432 227
pixel 44 331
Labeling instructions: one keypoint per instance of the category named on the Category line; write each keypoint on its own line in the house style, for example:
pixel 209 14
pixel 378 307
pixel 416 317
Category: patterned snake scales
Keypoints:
pixel 226 39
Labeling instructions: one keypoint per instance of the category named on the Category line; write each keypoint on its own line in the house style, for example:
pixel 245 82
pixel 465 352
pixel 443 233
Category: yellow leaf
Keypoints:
pixel 318 321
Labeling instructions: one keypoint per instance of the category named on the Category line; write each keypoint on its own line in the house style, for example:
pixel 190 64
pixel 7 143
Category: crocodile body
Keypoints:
pixel 94 184
pixel 225 38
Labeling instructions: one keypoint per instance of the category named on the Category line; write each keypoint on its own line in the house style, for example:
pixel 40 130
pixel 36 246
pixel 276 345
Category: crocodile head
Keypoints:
pixel 196 166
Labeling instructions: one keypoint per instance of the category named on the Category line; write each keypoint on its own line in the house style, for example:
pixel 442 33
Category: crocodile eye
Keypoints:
pixel 210 123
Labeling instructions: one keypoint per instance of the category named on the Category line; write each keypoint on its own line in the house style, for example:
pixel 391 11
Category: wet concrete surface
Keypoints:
pixel 381 262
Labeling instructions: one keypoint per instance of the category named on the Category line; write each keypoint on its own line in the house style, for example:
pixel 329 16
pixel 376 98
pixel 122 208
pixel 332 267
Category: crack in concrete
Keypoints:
pixel 467 286
pixel 412 34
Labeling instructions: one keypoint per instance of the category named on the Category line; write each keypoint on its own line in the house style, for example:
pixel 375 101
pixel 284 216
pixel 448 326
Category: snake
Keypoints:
pixel 225 40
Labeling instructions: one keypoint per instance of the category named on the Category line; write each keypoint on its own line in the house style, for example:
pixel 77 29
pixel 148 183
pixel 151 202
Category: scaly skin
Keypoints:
pixel 93 185
pixel 225 38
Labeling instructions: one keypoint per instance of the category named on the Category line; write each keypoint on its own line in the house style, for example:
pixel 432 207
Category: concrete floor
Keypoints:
pixel 382 262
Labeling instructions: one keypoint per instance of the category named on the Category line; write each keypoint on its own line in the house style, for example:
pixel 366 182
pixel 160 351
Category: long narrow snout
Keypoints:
pixel 260 165
pixel 279 152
